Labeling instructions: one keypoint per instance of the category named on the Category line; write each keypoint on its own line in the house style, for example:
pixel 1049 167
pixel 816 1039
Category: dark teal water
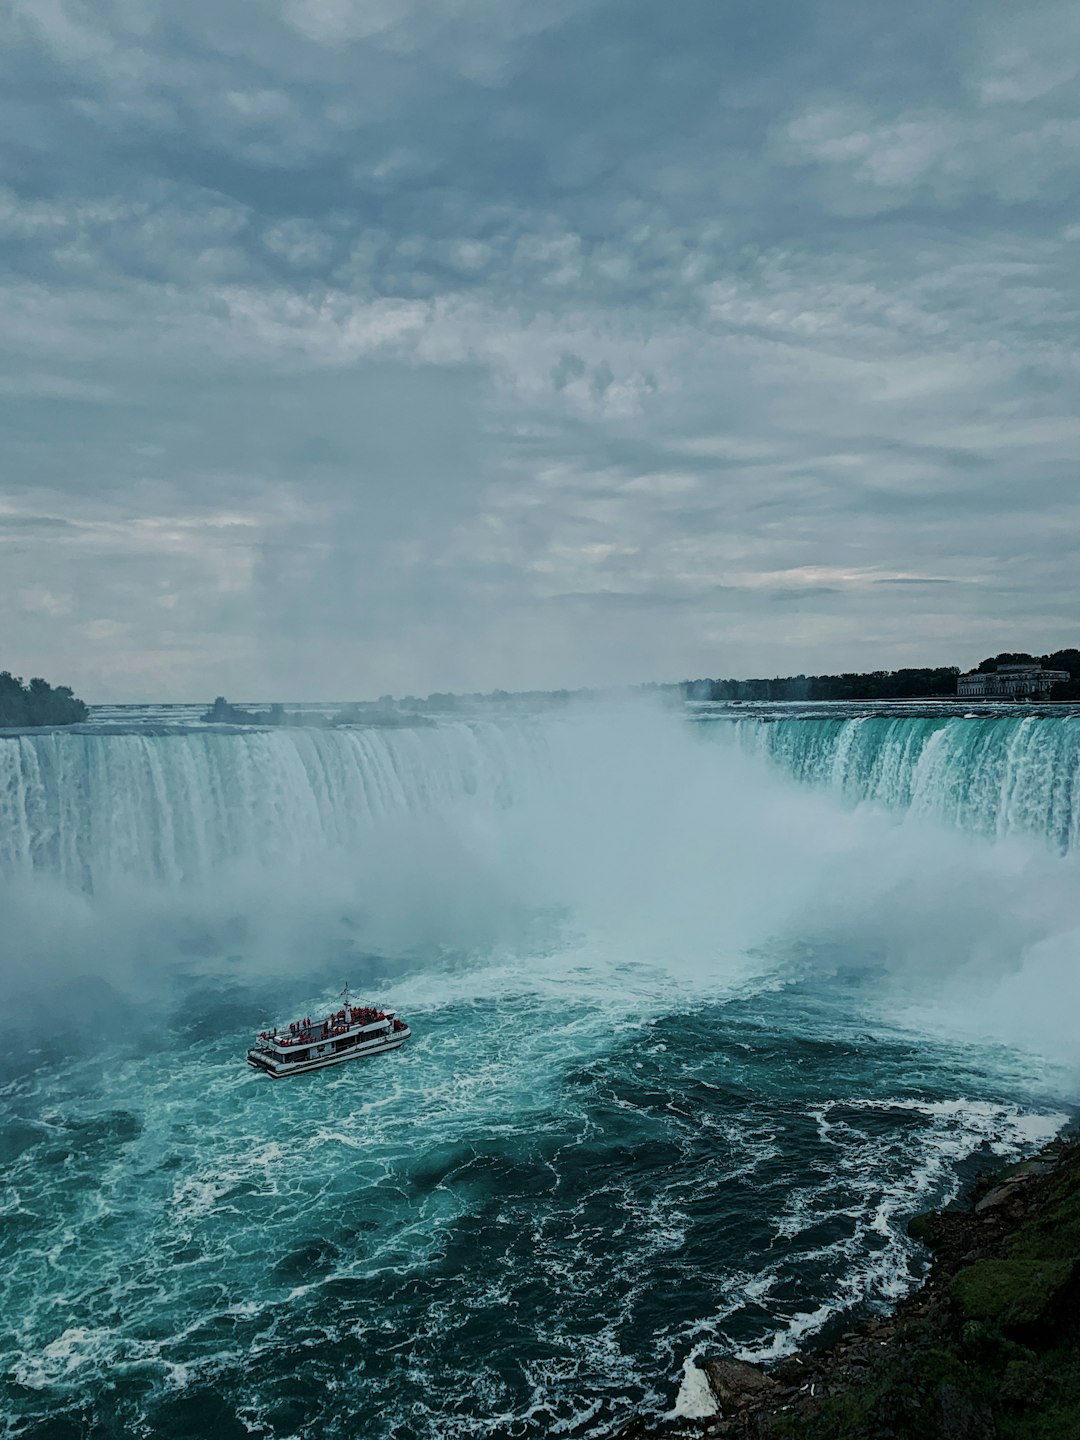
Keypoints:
pixel 691 1044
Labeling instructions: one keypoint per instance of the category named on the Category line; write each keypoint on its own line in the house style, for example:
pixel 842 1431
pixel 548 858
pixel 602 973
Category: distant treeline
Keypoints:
pixel 222 713
pixel 873 685
pixel 37 703
pixel 916 684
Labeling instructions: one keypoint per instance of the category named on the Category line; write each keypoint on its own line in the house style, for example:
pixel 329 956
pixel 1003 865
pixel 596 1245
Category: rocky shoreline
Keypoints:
pixel 987 1349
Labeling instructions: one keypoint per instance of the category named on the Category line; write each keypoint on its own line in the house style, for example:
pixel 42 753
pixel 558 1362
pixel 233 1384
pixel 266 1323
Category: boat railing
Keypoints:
pixel 315 1035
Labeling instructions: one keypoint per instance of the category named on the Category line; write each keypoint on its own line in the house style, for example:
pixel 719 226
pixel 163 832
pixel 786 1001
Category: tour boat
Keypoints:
pixel 348 1034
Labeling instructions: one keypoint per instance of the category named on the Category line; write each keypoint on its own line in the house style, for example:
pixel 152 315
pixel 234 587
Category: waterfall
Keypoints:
pixel 991 776
pixel 643 855
pixel 91 808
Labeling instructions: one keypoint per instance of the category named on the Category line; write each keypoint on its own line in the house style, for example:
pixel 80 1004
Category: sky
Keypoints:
pixel 352 347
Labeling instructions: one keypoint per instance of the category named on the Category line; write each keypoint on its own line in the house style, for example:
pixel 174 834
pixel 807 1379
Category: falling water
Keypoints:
pixel 701 1015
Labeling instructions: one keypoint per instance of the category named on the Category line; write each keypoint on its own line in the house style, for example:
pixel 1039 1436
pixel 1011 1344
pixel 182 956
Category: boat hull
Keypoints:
pixel 278 1070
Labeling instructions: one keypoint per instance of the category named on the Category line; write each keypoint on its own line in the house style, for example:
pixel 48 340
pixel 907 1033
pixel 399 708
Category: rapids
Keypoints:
pixel 702 1013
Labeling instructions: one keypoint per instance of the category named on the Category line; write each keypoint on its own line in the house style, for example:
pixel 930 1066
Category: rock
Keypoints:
pixel 997 1316
pixel 736 1384
pixel 760 1426
pixel 1001 1195
pixel 963 1415
pixel 792 1370
pixel 1033 1167
pixel 979 1252
pixel 926 1228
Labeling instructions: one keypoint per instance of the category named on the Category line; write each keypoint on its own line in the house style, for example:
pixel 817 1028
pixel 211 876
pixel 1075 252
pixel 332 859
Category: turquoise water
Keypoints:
pixel 692 1040
pixel 992 775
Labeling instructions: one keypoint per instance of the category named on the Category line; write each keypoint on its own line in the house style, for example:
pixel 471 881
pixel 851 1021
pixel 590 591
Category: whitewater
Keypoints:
pixel 705 1006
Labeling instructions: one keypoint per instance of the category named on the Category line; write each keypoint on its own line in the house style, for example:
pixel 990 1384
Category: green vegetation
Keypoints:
pixel 222 713
pixel 991 1351
pixel 37 703
pixel 874 685
pixel 988 1349
pixel 915 684
pixel 1009 1292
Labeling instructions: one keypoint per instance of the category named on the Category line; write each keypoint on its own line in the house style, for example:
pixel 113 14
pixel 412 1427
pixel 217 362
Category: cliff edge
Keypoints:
pixel 987 1349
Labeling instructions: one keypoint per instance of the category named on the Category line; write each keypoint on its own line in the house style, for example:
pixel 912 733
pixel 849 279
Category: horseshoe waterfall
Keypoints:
pixel 704 1007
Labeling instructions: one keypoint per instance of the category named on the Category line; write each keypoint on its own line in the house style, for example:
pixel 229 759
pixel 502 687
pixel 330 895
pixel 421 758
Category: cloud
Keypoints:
pixel 105 629
pixel 357 347
pixel 36 600
pixel 871 161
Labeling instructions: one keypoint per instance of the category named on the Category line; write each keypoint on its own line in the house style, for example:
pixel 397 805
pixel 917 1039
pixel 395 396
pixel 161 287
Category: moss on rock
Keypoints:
pixel 988 1350
pixel 1010 1292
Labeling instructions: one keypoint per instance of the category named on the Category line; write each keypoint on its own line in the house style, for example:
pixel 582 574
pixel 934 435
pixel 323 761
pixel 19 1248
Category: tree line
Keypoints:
pixel 927 683
pixel 913 684
pixel 37 703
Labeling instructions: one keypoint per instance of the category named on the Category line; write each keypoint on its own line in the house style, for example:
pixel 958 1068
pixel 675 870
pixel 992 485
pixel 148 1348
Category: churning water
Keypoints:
pixel 702 1012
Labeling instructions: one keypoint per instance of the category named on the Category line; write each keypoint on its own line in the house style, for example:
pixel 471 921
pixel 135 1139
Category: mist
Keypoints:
pixel 616 854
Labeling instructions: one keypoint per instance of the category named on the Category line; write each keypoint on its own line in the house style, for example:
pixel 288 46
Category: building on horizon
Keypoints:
pixel 1009 682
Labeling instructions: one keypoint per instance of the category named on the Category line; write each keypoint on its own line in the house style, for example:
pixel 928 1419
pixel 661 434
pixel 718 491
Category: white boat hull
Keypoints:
pixel 279 1069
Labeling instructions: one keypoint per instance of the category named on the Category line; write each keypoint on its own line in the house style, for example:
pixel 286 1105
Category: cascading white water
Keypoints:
pixel 92 809
pixel 95 808
pixel 992 776
pixel 671 1082
pixel 698 862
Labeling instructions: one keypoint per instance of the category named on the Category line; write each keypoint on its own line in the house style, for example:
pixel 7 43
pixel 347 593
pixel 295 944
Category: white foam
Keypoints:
pixel 61 1358
pixel 695 1400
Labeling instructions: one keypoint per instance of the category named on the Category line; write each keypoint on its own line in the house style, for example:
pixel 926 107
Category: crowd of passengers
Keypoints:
pixel 310 1031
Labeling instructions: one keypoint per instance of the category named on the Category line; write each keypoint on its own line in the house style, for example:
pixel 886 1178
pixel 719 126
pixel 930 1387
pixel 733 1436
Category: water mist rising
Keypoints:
pixel 671 1081
pixel 654 861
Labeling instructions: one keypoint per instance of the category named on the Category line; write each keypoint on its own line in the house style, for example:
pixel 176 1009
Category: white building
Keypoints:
pixel 1010 682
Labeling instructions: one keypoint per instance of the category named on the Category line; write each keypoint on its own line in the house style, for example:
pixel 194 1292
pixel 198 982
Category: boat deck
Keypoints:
pixel 350 1022
pixel 347 1033
pixel 351 1042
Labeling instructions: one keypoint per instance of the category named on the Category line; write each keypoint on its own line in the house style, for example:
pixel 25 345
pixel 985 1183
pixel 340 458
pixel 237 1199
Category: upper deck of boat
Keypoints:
pixel 353 1020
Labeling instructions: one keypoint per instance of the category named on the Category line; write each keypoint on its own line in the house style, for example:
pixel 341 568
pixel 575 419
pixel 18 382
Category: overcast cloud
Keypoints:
pixel 353 346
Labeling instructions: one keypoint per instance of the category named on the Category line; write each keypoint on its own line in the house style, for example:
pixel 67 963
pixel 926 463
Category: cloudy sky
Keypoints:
pixel 352 346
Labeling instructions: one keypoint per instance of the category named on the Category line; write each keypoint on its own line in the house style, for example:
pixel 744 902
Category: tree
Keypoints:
pixel 38 703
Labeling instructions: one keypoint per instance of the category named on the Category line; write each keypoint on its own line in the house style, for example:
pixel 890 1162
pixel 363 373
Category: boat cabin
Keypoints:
pixel 307 1044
